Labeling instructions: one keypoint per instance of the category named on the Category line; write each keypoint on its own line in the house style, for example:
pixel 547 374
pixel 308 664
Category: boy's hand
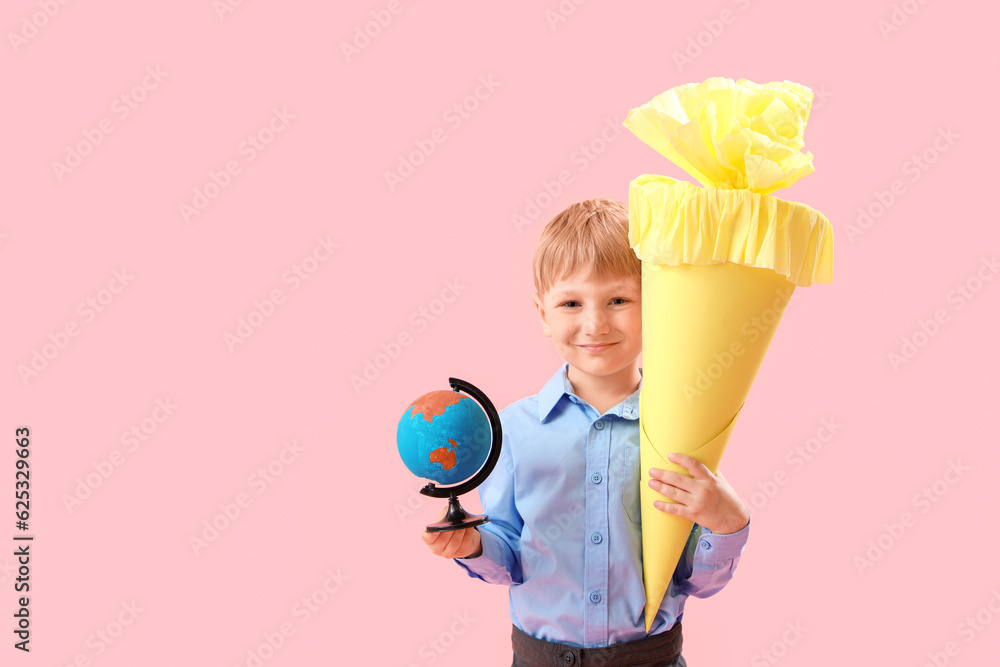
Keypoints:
pixel 704 498
pixel 453 543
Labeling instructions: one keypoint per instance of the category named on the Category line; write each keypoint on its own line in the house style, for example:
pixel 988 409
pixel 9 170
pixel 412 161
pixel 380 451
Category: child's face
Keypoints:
pixel 595 323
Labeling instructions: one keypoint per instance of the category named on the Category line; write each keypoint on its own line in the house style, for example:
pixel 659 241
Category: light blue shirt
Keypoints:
pixel 564 530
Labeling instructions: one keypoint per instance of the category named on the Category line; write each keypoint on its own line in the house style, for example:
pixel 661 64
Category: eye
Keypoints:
pixel 620 300
pixel 569 304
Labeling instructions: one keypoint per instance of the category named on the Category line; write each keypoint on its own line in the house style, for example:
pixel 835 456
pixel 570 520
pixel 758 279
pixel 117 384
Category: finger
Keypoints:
pixel 672 478
pixel 443 542
pixel 465 545
pixel 669 490
pixel 458 538
pixel 676 509
pixel 437 542
pixel 697 469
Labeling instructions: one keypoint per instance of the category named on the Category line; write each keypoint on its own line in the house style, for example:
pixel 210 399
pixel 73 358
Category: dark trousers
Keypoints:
pixel 662 650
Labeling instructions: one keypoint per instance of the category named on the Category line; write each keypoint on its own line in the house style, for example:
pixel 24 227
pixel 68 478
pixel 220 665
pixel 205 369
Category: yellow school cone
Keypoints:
pixel 719 265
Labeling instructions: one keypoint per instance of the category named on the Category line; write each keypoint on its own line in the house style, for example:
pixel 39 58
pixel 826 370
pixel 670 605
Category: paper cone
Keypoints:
pixel 719 265
pixel 695 381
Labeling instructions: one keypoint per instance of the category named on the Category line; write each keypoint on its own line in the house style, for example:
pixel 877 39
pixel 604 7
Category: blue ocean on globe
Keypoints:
pixel 444 436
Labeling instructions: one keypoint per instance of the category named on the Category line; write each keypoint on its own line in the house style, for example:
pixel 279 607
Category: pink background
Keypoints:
pixel 340 504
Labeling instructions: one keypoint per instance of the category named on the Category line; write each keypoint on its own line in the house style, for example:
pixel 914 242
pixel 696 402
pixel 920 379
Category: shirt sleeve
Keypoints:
pixel 500 562
pixel 709 561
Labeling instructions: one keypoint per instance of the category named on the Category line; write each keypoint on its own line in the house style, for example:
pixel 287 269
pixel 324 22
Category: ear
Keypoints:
pixel 546 330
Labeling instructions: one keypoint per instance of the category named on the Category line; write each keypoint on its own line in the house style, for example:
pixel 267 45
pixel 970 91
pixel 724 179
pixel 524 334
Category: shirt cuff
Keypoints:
pixel 715 549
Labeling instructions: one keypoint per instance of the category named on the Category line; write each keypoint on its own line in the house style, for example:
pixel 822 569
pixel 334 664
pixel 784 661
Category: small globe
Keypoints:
pixel 444 436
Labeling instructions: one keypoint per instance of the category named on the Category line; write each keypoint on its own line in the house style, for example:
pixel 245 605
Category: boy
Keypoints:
pixel 563 500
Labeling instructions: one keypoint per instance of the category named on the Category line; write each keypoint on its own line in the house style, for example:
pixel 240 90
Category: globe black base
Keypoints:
pixel 457 518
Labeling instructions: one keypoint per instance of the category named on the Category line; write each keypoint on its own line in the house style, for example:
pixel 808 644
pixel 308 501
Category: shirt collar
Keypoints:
pixel 559 386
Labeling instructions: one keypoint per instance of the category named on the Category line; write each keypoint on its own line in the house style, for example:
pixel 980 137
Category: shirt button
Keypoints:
pixel 596 478
pixel 705 544
pixel 568 658
pixel 596 538
pixel 598 425
pixel 595 597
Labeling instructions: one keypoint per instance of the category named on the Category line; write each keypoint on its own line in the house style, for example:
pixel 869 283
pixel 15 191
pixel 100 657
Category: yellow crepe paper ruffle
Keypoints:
pixel 730 134
pixel 675 222
pixel 742 141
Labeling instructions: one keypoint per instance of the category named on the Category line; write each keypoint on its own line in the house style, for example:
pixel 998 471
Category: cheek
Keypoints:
pixel 631 324
pixel 560 329
pixel 637 320
pixel 565 322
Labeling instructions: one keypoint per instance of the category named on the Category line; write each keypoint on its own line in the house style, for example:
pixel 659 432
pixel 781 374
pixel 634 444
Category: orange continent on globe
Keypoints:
pixel 434 403
pixel 445 456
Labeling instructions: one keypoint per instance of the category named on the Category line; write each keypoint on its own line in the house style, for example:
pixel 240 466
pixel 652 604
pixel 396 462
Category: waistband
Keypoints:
pixel 653 651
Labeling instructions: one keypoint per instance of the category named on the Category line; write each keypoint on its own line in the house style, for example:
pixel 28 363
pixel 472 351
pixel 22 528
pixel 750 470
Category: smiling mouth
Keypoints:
pixel 596 346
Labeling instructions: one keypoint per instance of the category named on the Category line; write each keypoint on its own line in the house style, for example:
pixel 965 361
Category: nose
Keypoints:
pixel 596 322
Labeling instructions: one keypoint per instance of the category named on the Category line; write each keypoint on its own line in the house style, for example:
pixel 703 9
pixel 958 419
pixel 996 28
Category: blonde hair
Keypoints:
pixel 589 235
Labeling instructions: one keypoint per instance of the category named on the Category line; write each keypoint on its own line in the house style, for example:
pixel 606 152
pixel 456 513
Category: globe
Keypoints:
pixel 444 436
